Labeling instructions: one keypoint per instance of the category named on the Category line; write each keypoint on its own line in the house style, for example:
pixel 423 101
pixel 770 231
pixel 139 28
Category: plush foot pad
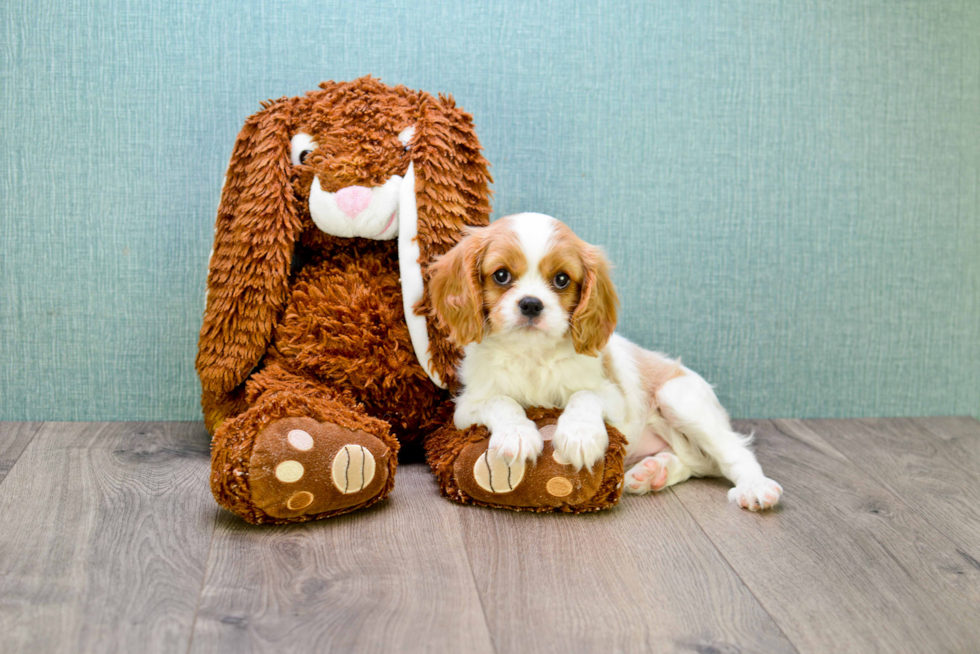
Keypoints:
pixel 303 467
pixel 546 482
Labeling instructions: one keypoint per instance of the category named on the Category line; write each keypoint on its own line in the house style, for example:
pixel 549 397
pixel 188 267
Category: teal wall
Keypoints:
pixel 789 189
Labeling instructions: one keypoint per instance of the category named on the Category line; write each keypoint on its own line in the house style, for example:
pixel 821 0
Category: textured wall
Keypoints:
pixel 790 189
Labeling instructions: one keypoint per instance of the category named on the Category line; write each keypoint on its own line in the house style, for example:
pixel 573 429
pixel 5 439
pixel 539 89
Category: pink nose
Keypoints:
pixel 353 200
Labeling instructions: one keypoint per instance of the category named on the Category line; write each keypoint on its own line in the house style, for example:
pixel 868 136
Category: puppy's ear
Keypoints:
pixel 457 290
pixel 594 319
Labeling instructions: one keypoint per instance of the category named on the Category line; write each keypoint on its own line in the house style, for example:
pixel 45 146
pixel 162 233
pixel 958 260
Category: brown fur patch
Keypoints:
pixel 503 251
pixel 456 287
pixel 655 371
pixel 594 319
pixel 564 256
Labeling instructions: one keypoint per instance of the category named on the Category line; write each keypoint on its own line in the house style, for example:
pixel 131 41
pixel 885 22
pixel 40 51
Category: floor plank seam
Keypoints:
pixel 737 575
pixel 891 491
pixel 204 579
pixel 20 454
pixel 479 595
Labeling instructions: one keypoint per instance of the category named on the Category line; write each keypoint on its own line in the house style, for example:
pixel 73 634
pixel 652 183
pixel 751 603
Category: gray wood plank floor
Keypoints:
pixel 111 542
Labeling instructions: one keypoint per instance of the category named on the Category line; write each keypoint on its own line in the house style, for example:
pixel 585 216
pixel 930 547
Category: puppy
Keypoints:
pixel 534 308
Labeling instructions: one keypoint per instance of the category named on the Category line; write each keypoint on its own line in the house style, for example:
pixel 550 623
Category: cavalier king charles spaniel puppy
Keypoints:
pixel 534 309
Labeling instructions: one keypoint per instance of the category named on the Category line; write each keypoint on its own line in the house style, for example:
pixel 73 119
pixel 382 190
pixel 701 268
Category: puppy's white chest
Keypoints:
pixel 532 378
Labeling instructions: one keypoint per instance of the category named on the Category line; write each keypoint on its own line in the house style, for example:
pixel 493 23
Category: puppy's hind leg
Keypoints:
pixel 656 473
pixel 690 406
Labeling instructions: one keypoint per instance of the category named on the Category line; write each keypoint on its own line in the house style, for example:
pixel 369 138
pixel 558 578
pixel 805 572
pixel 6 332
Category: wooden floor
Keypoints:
pixel 110 542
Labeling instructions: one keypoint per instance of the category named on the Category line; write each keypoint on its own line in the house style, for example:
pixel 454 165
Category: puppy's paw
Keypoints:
pixel 756 495
pixel 650 474
pixel 580 439
pixel 519 441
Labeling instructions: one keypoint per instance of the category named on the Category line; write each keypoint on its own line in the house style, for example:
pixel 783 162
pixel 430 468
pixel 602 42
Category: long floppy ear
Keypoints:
pixel 451 192
pixel 457 292
pixel 594 319
pixel 451 176
pixel 256 229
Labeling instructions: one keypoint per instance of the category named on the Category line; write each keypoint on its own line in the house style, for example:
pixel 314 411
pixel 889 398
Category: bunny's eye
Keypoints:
pixel 300 147
pixel 405 136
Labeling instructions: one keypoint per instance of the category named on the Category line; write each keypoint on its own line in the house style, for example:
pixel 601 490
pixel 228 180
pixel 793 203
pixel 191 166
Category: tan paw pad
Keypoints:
pixel 559 459
pixel 353 469
pixel 493 474
pixel 559 486
pixel 289 471
pixel 300 440
pixel 299 500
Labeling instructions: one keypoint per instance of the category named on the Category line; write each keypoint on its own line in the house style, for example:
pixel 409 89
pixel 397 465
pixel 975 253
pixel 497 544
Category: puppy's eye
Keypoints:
pixel 562 280
pixel 300 147
pixel 502 276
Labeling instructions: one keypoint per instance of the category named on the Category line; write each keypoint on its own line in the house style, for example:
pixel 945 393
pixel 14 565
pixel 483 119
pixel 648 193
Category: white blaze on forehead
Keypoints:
pixel 535 232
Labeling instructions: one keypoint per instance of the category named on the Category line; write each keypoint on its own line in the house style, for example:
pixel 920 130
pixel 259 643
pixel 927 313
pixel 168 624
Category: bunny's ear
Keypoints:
pixel 450 180
pixel 255 232
pixel 451 176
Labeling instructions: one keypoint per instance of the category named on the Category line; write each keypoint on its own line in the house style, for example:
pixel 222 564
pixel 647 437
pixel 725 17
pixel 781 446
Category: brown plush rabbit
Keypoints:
pixel 318 355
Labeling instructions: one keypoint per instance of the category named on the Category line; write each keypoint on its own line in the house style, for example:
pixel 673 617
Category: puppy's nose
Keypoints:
pixel 531 306
pixel 353 200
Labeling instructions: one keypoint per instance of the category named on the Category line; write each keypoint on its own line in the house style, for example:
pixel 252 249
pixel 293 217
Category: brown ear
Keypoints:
pixel 451 190
pixel 594 319
pixel 451 176
pixel 256 229
pixel 457 291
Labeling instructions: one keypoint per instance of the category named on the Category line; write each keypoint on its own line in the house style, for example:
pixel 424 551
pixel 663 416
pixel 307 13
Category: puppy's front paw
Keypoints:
pixel 520 441
pixel 756 495
pixel 580 439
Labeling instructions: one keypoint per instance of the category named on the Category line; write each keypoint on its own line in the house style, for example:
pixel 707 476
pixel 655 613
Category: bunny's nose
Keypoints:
pixel 353 200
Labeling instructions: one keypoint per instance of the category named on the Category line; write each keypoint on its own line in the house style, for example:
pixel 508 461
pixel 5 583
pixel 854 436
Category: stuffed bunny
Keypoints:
pixel 319 354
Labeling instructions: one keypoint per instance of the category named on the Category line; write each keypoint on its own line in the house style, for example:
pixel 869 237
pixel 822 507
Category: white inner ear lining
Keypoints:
pixel 411 272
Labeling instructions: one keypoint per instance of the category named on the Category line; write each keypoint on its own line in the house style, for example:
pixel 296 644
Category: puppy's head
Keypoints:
pixel 526 274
